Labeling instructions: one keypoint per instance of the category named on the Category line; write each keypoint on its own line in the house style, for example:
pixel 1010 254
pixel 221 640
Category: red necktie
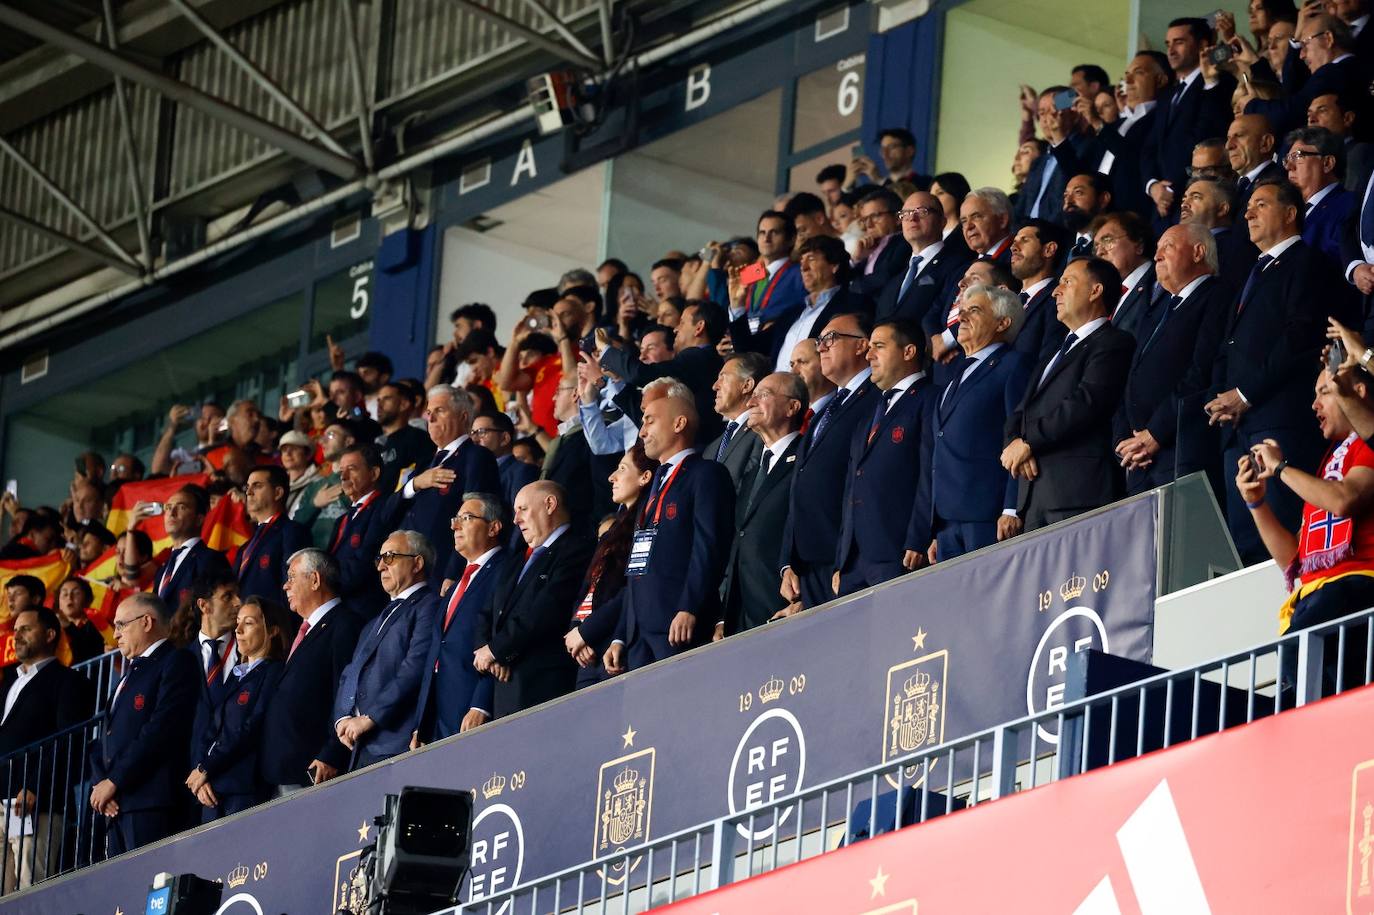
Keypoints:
pixel 300 637
pixel 470 571
pixel 806 420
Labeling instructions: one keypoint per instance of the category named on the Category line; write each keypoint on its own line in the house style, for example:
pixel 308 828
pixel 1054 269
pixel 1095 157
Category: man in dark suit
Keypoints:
pixel 1357 254
pixel 927 279
pixel 521 626
pixel 824 264
pixel 779 294
pixel 376 705
pixel 695 363
pixel 1250 147
pixel 815 505
pixel 1188 113
pixel 749 593
pixel 737 447
pixel 973 498
pixel 885 511
pixel 299 746
pixel 1326 45
pixel 359 531
pixel 1059 439
pixel 883 253
pixel 183 515
pixel 377 701
pixel 1122 141
pixel 1124 240
pixel 986 217
pixel 140 761
pixel 1036 253
pixel 261 562
pixel 496 433
pixel 1175 348
pixel 570 463
pixel 1315 163
pixel 1263 375
pixel 41 698
pixel 1211 203
pixel 428 500
pixel 671 599
pixel 1072 147
pixel 454 696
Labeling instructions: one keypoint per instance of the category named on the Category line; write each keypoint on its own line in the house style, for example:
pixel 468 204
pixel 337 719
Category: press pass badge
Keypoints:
pixel 639 551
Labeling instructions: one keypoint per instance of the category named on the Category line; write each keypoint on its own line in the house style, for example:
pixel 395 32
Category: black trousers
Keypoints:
pixel 135 828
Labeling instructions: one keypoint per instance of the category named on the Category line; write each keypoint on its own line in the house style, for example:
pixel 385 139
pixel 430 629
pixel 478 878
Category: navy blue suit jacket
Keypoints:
pixel 1180 125
pixel 1041 332
pixel 145 738
pixel 176 591
pixel 1138 300
pixel 968 482
pixel 515 476
pixel 1325 227
pixel 448 693
pixel 228 746
pixel 261 562
pixel 1290 111
pixel 299 725
pixel 815 510
pixel 789 295
pixel 932 289
pixel 886 505
pixel 688 558
pixel 892 261
pixel 354 544
pixel 431 510
pixel 383 679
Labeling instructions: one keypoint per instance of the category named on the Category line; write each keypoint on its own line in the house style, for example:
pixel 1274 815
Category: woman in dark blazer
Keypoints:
pixel 225 778
pixel 591 631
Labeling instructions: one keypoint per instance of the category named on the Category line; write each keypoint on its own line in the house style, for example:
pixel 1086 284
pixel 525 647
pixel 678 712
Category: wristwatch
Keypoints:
pixel 1278 468
pixel 1366 356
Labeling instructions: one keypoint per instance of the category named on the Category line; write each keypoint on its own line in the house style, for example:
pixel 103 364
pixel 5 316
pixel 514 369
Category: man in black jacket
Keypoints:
pixel 1059 441
pixel 520 630
pixel 41 698
pixel 299 746
pixel 140 761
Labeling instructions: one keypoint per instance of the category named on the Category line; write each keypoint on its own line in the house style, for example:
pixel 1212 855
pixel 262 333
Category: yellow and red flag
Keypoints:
pixel 52 569
pixel 159 490
pixel 227 527
pixel 103 577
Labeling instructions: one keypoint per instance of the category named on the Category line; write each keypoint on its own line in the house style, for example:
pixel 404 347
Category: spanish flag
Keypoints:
pixel 159 491
pixel 103 577
pixel 227 527
pixel 52 569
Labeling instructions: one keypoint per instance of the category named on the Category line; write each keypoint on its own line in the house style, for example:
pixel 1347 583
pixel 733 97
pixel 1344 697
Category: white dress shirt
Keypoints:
pixel 802 326
pixel 1084 332
pixel 778 448
pixel 901 388
pixel 229 660
pixel 25 674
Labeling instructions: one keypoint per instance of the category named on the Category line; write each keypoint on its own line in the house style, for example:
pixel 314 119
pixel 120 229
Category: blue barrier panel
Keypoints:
pixel 928 658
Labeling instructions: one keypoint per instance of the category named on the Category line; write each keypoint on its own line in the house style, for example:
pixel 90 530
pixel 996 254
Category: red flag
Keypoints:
pixel 159 491
pixel 227 527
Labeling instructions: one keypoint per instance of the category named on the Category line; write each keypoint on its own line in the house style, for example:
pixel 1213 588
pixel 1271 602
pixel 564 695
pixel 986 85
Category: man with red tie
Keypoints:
pixel 359 532
pixel 190 559
pixel 261 562
pixel 453 695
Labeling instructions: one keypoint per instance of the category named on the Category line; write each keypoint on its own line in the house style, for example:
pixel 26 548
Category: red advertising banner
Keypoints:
pixel 1275 816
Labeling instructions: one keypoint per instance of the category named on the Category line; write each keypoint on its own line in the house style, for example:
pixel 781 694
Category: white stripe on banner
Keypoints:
pixel 1158 858
pixel 1101 901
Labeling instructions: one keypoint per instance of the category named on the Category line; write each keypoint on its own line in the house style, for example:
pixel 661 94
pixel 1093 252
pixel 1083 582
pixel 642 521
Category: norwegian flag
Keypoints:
pixel 1326 532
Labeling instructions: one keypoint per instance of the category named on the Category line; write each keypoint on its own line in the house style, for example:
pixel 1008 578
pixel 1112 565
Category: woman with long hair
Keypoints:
pixel 593 628
pixel 225 779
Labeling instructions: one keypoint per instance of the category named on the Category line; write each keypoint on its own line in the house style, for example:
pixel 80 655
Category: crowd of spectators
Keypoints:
pixel 892 371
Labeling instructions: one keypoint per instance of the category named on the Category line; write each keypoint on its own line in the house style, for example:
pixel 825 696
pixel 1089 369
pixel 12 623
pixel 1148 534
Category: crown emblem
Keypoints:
pixel 238 876
pixel 493 786
pixel 625 780
pixel 1072 588
pixel 771 690
pixel 916 684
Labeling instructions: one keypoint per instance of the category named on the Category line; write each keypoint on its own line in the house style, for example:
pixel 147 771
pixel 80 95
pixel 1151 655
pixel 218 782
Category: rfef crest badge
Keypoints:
pixel 625 800
pixel 914 713
pixel 355 541
pixel 897 435
pixel 243 697
pixel 671 510
pixel 139 702
pixel 1359 899
pixel 265 561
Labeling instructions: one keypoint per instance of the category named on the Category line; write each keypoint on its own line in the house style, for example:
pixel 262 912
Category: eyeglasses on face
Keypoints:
pixel 390 556
pixel 827 340
pixel 121 625
pixel 915 213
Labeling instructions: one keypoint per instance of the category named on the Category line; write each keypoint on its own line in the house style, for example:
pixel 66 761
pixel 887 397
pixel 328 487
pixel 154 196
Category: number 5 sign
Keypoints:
pixel 361 275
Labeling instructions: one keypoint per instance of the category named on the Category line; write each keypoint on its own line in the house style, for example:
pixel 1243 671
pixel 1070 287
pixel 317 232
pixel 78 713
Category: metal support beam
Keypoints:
pixel 603 15
pixel 126 124
pixel 361 101
pixel 566 33
pixel 80 247
pixel 538 39
pixel 62 197
pixel 264 82
pixel 121 65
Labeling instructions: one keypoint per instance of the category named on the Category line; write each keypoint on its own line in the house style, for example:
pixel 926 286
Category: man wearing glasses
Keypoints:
pixel 882 252
pixel 814 509
pixel 145 736
pixel 1315 162
pixel 930 272
pixel 1325 46
pixel 377 705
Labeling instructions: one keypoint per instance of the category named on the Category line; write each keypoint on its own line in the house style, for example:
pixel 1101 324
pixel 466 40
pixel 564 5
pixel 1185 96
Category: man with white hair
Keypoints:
pixel 1175 349
pixel 985 217
pixel 430 498
pixel 973 499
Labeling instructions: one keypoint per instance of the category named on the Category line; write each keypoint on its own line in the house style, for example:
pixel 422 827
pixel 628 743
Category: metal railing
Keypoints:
pixel 1119 723
pixel 104 671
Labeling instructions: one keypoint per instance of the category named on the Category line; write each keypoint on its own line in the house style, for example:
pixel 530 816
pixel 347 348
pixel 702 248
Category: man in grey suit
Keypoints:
pixel 737 448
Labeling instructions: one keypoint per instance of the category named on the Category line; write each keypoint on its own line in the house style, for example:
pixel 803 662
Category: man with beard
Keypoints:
pixel 1035 255
pixel 1086 197
pixel 401 445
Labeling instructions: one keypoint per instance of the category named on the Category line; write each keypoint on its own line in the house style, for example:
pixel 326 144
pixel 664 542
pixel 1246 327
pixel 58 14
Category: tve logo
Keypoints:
pixel 159 901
